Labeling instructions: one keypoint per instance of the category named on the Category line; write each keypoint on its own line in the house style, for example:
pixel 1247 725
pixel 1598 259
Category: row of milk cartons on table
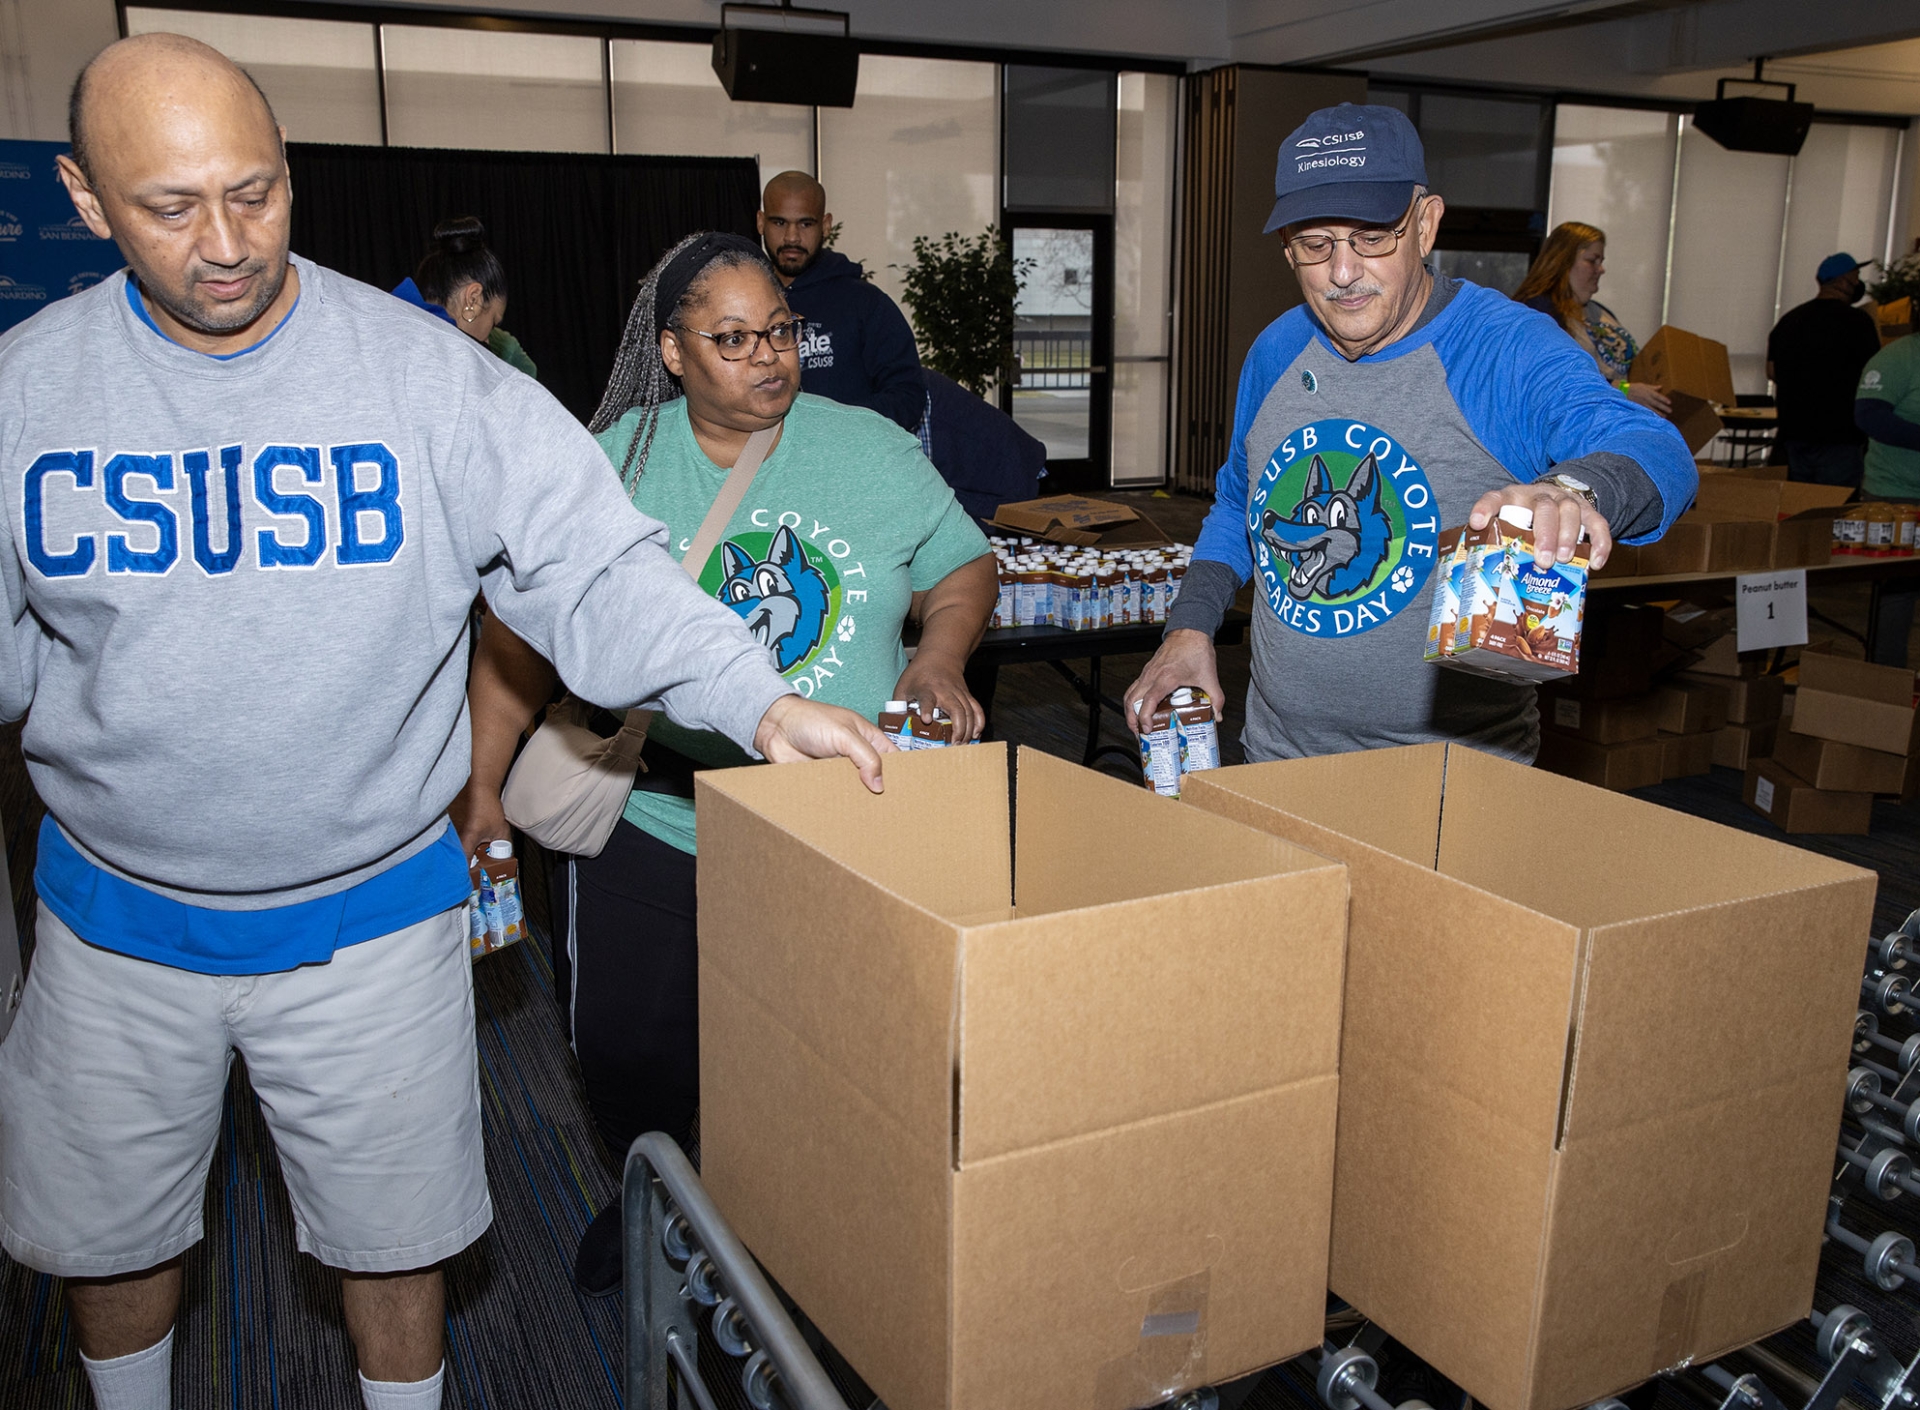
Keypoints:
pixel 1085 589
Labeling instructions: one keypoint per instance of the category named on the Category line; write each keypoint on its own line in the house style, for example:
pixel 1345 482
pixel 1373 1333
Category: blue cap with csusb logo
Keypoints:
pixel 1833 266
pixel 1351 162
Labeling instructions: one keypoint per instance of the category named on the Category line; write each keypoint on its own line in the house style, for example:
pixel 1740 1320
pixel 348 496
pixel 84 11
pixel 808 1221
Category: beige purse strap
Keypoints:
pixel 728 500
pixel 715 524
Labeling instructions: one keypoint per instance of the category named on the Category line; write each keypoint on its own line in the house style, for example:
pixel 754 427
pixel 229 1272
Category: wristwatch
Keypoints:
pixel 1573 486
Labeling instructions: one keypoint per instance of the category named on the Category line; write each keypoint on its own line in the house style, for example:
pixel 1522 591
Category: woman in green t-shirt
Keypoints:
pixel 846 534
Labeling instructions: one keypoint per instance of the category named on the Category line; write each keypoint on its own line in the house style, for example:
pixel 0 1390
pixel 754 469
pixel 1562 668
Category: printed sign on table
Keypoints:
pixel 1771 609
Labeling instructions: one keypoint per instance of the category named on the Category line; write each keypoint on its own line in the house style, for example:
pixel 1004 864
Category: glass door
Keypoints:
pixel 1063 344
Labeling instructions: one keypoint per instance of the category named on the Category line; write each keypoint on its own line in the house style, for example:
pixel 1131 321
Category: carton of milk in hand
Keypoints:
pixel 1496 612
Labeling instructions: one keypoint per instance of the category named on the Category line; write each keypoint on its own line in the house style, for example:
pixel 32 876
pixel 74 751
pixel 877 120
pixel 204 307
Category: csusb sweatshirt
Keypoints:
pixel 240 588
pixel 857 349
pixel 1360 465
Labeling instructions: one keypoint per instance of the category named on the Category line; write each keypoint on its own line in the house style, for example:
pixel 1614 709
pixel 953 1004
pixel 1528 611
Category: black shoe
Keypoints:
pixel 599 1265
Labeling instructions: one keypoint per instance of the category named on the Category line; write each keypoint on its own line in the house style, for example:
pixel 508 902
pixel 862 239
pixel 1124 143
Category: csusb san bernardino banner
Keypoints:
pixel 46 250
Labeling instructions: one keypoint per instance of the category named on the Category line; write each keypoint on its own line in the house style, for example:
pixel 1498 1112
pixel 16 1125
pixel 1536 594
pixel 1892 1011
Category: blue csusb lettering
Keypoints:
pixel 62 499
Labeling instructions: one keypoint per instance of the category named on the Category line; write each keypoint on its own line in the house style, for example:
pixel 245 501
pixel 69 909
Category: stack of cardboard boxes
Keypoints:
pixel 1851 736
pixel 1741 522
pixel 1667 695
pixel 1635 717
pixel 1669 698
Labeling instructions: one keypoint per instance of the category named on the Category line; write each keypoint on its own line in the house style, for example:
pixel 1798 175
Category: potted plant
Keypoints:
pixel 1901 281
pixel 961 293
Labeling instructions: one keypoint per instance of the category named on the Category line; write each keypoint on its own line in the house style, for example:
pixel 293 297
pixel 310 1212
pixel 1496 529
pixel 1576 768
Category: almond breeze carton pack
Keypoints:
pixel 1514 618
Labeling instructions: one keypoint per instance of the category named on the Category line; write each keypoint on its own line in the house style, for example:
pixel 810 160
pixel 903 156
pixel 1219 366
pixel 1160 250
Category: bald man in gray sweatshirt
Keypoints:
pixel 249 503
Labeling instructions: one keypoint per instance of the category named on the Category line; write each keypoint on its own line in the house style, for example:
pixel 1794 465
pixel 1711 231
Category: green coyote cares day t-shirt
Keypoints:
pixel 1894 375
pixel 845 521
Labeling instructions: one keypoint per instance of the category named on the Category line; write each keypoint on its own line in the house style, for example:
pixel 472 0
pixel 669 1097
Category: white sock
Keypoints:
pixel 403 1395
pixel 141 1381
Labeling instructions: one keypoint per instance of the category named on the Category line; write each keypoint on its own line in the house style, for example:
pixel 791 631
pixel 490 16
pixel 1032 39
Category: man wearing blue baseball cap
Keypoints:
pixel 1393 405
pixel 1814 356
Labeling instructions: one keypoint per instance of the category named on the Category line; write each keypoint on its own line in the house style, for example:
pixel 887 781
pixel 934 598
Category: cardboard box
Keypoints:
pixel 1804 541
pixel 1634 763
pixel 1751 700
pixel 1802 514
pixel 1694 418
pixel 1894 319
pixel 1623 561
pixel 1509 1201
pixel 1035 1125
pixel 1691 626
pixel 1076 519
pixel 1719 658
pixel 1856 702
pixel 1622 641
pixel 1679 361
pixel 1742 497
pixel 1685 755
pixel 1736 746
pixel 1794 805
pixel 1844 768
pixel 1682 708
pixel 1704 542
pixel 1696 375
pixel 1600 721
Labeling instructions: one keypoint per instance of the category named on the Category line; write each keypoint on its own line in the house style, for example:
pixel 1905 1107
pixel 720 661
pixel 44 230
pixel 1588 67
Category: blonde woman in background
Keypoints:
pixel 1562 283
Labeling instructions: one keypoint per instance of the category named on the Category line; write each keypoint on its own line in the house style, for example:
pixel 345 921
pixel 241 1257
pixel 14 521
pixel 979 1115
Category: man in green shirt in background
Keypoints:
pixel 1887 407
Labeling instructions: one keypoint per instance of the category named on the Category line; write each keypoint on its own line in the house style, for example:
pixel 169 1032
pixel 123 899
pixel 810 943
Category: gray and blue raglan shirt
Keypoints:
pixel 239 590
pixel 1340 478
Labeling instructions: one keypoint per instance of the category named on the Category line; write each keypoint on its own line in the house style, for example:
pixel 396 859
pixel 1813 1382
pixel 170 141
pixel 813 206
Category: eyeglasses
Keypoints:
pixel 1371 243
pixel 738 344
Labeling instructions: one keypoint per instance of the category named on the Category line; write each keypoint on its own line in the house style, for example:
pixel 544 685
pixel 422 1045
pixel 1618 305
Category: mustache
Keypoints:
pixel 221 274
pixel 1364 286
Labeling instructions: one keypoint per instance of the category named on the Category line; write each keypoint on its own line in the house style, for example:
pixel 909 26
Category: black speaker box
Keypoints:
pixel 1755 124
pixel 772 66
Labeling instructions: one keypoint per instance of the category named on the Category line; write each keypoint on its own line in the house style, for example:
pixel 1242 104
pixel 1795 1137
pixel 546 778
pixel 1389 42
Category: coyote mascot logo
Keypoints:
pixel 1336 539
pixel 782 598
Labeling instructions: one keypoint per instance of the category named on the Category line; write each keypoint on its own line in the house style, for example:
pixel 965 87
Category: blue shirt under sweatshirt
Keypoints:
pixel 1361 464
pixel 409 292
pixel 116 914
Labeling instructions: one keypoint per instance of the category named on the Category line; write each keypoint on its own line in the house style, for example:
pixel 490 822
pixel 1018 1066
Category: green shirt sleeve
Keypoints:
pixel 507 348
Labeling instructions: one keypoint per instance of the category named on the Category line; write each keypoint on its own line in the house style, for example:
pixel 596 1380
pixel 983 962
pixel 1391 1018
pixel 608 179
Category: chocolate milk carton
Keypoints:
pixel 1523 621
pixel 901 721
pixel 1181 738
pixel 1445 613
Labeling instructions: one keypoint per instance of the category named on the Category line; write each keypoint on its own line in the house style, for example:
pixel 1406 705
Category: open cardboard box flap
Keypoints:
pixel 1078 520
pixel 1739 497
pixel 973 1058
pixel 1549 1250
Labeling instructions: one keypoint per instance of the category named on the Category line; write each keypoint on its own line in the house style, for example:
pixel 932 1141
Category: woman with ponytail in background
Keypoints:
pixel 1562 283
pixel 462 281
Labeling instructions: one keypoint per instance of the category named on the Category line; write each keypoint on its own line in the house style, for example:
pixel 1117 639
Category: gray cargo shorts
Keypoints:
pixel 112 1084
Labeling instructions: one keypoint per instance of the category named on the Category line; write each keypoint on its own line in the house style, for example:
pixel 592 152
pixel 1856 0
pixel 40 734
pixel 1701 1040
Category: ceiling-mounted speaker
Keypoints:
pixel 1750 124
pixel 780 54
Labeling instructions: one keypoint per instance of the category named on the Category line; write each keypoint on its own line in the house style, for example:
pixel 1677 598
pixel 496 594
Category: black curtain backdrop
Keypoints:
pixel 576 233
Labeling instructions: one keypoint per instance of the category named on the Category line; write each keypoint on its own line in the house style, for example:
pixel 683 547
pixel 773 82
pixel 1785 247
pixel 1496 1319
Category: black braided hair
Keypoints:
pixel 640 377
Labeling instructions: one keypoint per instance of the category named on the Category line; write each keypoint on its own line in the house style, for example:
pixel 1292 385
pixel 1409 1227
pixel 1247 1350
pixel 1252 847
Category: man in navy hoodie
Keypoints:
pixel 858 348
